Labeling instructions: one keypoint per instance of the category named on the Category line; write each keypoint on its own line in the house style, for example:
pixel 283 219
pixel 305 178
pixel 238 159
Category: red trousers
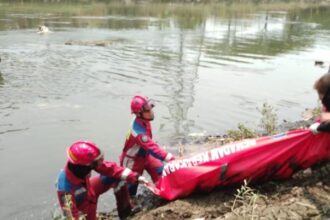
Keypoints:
pixel 88 206
pixel 152 165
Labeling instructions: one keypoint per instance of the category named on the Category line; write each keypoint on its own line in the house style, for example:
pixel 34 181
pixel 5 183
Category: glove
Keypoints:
pixel 142 180
pixel 313 128
pixel 169 157
pixel 172 158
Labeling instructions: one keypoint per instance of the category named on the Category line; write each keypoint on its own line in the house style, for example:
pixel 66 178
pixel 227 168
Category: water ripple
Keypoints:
pixel 13 130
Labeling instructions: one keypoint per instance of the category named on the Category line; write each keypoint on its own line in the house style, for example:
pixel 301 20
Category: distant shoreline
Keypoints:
pixel 158 8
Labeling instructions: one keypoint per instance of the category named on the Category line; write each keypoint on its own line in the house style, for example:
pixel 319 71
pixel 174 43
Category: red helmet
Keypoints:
pixel 140 104
pixel 84 153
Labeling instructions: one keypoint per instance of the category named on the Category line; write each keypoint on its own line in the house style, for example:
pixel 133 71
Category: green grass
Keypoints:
pixel 161 10
pixel 245 204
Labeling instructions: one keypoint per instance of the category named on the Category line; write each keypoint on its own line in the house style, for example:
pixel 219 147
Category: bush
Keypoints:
pixel 268 121
pixel 242 133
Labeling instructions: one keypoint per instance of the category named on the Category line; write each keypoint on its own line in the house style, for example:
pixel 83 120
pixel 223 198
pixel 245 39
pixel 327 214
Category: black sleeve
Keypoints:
pixel 324 126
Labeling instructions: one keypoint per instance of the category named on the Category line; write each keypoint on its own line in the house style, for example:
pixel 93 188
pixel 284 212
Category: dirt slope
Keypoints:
pixel 305 196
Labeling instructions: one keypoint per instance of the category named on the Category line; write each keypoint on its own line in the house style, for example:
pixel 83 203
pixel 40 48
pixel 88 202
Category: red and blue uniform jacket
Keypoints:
pixel 79 196
pixel 139 143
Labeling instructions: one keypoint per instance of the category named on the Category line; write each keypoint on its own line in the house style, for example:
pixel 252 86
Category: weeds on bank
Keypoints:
pixel 245 202
pixel 312 113
pixel 67 210
pixel 56 216
pixel 316 112
pixel 268 121
pixel 241 133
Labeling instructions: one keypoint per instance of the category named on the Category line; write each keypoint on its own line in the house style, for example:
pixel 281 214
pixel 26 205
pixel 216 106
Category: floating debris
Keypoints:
pixel 43 29
pixel 319 63
pixel 99 43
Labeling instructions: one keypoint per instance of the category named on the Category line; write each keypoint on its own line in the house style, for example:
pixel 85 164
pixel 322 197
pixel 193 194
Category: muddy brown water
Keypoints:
pixel 207 69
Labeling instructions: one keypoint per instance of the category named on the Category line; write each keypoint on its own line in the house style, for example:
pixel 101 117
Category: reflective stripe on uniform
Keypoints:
pixel 125 174
pixel 133 151
pixel 118 187
pixel 80 191
pixel 128 162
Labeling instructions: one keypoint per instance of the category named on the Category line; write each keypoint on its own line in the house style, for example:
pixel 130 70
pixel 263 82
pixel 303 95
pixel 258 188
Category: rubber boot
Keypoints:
pixel 124 205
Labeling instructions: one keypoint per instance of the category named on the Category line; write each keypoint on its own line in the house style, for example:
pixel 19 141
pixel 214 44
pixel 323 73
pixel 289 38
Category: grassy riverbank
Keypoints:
pixel 157 9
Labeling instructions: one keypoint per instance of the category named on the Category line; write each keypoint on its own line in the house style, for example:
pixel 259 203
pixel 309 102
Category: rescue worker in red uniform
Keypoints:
pixel 78 192
pixel 140 151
